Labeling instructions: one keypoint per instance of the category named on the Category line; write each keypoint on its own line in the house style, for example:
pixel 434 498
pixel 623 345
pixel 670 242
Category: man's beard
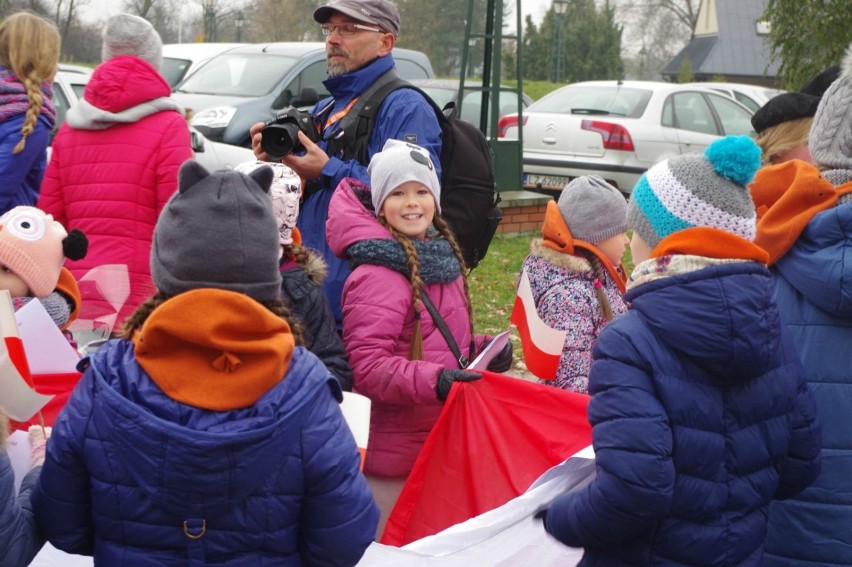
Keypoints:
pixel 337 67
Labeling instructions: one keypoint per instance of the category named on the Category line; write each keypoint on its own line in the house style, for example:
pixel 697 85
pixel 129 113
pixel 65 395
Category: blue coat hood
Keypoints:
pixel 722 317
pixel 147 426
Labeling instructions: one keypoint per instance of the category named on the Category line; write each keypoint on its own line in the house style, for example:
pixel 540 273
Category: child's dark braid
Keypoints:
pixel 598 270
pixel 447 233
pixel 135 321
pixel 415 351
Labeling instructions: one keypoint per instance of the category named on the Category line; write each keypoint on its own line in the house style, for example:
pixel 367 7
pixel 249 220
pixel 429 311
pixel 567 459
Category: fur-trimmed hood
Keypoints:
pixel 567 261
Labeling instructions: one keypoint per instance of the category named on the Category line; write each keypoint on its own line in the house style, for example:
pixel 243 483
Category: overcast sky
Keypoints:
pixel 102 9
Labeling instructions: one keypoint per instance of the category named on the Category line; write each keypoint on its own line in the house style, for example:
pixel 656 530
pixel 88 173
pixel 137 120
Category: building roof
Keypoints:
pixel 727 42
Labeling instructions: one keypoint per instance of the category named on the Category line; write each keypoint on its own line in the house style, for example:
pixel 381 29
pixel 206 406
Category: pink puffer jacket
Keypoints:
pixel 114 165
pixel 378 322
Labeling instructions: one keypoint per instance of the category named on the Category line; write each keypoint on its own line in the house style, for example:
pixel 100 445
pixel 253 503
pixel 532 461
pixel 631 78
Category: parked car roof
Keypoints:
pixel 181 59
pixel 618 129
pixel 752 96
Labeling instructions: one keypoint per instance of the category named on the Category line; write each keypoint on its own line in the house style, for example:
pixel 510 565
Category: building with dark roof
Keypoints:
pixel 729 43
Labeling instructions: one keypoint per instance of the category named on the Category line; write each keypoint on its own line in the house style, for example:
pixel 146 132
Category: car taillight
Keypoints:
pixel 507 122
pixel 615 136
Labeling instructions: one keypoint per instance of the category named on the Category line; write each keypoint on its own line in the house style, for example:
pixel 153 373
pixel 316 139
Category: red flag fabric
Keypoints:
pixel 542 345
pixel 57 385
pixel 494 437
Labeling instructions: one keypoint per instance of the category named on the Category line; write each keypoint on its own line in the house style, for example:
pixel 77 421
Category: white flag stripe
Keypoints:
pixel 547 339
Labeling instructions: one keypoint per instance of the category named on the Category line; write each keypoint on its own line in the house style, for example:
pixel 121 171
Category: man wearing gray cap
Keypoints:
pixel 359 38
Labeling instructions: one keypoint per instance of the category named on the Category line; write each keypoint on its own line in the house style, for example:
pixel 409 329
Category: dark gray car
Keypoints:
pixel 251 84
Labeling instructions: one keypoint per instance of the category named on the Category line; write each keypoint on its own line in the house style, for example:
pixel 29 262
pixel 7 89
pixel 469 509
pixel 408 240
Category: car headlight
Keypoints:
pixel 216 117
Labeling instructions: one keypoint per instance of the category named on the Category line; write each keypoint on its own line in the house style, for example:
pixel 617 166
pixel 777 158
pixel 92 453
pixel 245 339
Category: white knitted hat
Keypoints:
pixel 830 139
pixel 397 163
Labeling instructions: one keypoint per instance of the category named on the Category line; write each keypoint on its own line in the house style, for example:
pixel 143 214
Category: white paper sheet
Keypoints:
pixel 48 351
pixel 491 350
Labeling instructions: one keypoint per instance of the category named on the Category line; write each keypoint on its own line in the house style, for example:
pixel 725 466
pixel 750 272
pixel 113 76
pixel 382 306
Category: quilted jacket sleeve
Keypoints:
pixel 19 541
pixel 803 464
pixel 321 337
pixel 175 148
pixel 62 500
pixel 339 516
pixel 372 332
pixel 635 474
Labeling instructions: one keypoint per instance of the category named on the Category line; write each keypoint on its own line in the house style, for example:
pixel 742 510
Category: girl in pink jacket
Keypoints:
pixel 402 255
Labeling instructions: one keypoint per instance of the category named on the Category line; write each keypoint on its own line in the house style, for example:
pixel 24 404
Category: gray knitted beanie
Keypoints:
pixel 397 163
pixel 830 139
pixel 593 209
pixel 218 231
pixel 126 34
pixel 698 190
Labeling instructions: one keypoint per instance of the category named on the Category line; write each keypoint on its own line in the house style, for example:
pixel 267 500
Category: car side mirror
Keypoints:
pixel 196 141
pixel 308 97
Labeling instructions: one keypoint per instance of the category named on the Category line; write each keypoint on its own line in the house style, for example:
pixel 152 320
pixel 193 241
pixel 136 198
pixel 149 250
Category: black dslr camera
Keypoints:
pixel 280 135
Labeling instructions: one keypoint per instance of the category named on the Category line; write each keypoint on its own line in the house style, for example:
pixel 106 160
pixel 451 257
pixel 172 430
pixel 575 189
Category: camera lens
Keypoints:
pixel 278 140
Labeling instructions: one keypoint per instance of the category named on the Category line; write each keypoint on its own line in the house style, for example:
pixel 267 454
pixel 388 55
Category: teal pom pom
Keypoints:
pixel 735 157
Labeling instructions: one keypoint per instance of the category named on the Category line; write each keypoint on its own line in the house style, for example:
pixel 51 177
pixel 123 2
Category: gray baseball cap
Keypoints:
pixel 377 12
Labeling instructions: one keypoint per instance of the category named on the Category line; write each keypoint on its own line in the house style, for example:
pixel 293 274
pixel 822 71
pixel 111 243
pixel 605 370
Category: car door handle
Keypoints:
pixel 550 141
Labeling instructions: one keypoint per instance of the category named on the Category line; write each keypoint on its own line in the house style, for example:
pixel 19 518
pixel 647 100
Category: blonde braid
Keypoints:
pixel 34 95
pixel 445 230
pixel 415 350
pixel 299 253
pixel 603 301
pixel 136 319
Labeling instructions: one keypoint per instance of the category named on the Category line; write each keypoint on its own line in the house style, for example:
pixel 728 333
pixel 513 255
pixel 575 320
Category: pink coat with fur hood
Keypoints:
pixel 378 322
pixel 114 165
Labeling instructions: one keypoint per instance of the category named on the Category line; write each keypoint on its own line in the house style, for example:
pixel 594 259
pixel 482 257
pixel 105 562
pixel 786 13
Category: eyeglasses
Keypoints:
pixel 346 29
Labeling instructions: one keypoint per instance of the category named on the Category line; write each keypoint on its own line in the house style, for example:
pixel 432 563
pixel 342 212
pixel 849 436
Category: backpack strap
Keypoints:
pixel 445 331
pixel 354 128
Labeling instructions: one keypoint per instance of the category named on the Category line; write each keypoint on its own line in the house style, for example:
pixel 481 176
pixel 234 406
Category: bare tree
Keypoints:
pixel 656 30
pixel 66 13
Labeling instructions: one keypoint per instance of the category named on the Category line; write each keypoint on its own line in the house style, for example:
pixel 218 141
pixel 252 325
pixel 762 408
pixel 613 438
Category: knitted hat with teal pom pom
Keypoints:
pixel 698 190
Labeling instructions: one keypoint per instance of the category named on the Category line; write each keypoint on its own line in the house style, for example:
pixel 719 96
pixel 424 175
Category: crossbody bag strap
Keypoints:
pixel 445 331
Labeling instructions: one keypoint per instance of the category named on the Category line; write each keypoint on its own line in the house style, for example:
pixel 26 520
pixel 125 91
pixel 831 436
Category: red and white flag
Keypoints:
pixel 542 345
pixel 18 399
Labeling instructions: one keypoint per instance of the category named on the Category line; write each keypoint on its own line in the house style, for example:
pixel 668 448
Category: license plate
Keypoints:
pixel 546 181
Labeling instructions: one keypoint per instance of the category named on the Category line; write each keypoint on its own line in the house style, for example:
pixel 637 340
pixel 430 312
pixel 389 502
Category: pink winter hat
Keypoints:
pixel 32 247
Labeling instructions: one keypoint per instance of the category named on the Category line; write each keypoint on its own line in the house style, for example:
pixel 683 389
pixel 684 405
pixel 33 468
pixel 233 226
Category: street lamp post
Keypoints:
pixel 559 8
pixel 239 21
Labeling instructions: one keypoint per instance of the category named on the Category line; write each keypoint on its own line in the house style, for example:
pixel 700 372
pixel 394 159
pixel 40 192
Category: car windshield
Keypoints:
pixel 173 69
pixel 594 100
pixel 441 95
pixel 238 74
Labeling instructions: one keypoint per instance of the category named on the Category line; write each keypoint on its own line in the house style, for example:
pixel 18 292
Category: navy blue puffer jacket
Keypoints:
pixel 814 293
pixel 134 477
pixel 700 418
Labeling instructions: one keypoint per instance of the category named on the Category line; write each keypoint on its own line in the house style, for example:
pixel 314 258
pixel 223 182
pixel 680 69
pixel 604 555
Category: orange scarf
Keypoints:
pixel 557 236
pixel 214 349
pixel 787 197
pixel 710 243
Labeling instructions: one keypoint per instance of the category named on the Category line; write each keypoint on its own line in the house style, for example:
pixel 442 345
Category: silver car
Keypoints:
pixel 618 129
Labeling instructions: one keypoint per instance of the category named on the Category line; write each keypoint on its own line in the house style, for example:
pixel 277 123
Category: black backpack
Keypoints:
pixel 469 198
